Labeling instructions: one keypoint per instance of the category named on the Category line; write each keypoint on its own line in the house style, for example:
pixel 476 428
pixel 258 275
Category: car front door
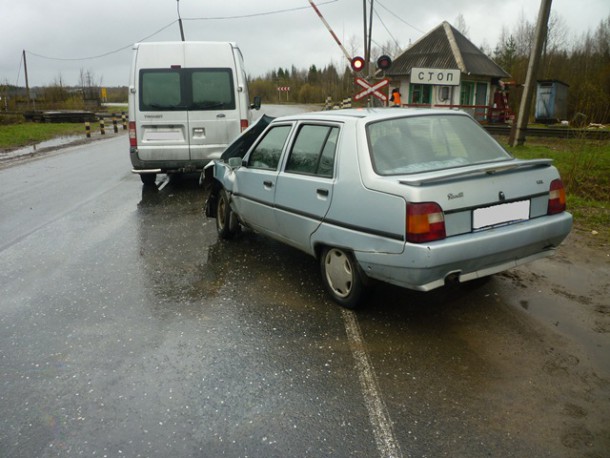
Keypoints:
pixel 255 184
pixel 304 187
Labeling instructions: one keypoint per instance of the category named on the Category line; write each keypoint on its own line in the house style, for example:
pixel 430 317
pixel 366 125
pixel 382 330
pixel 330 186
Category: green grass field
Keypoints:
pixel 27 133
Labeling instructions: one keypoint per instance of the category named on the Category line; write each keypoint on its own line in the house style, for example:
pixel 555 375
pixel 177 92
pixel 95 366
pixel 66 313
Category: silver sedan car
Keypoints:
pixel 415 198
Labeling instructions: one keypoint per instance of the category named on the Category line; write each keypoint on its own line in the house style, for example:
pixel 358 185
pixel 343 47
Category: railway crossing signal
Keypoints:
pixel 371 89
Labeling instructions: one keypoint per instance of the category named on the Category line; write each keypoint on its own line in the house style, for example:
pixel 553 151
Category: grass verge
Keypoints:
pixel 17 135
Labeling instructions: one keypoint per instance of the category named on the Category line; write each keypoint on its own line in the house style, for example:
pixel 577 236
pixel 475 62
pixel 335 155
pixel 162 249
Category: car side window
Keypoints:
pixel 266 155
pixel 313 151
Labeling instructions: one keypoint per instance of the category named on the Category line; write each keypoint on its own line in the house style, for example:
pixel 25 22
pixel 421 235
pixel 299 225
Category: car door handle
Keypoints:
pixel 322 192
pixel 268 184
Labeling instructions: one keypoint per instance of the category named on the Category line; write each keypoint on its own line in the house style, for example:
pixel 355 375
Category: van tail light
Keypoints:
pixel 243 124
pixel 425 222
pixel 133 140
pixel 557 198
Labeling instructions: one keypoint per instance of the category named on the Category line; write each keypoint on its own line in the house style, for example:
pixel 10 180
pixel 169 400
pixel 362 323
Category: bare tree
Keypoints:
pixel 460 25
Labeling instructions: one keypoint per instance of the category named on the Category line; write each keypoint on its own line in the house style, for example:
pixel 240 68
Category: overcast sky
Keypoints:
pixel 63 37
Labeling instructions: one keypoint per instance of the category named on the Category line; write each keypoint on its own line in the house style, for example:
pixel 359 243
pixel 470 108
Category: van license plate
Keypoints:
pixel 500 214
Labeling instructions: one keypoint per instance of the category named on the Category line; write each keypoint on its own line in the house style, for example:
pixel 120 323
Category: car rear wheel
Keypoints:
pixel 226 221
pixel 341 277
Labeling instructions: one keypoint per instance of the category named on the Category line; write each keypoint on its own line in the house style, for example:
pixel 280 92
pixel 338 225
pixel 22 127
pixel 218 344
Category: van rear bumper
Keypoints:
pixel 141 167
pixel 144 171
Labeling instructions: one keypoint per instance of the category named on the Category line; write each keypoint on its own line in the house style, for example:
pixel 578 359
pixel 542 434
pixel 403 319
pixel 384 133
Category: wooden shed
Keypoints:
pixel 445 69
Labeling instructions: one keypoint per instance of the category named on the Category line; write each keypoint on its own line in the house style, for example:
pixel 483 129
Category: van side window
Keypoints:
pixel 313 151
pixel 160 90
pixel 266 155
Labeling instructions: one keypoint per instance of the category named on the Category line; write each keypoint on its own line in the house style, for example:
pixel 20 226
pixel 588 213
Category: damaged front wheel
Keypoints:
pixel 226 221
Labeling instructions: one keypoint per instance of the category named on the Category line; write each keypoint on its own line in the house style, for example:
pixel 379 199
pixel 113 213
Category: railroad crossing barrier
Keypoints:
pixel 345 103
pixel 102 122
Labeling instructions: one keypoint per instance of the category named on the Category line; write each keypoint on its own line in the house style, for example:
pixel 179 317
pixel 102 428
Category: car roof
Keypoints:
pixel 368 114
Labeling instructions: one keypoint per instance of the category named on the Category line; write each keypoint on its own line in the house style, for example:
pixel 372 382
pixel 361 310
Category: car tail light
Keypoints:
pixel 133 140
pixel 243 124
pixel 557 198
pixel 425 222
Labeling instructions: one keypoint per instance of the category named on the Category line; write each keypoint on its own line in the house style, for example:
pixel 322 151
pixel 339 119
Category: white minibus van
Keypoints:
pixel 187 102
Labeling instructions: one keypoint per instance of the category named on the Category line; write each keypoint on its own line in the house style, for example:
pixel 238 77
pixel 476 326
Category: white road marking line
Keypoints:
pixel 378 413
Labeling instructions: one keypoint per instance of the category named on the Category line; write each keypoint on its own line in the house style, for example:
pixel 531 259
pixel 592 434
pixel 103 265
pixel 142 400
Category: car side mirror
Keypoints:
pixel 235 162
pixel 257 103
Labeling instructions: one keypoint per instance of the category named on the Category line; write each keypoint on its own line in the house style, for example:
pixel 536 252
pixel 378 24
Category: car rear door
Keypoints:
pixel 304 187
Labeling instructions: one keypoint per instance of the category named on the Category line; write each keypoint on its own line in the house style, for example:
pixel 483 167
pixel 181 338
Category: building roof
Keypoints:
pixel 446 48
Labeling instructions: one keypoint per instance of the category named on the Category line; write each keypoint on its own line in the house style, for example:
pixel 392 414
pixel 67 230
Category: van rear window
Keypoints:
pixel 193 89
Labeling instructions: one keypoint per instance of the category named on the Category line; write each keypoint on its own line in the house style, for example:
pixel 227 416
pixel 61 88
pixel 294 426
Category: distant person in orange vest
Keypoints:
pixel 395 98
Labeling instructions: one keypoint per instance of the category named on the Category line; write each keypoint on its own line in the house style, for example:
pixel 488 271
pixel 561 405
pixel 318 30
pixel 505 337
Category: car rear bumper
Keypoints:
pixel 467 257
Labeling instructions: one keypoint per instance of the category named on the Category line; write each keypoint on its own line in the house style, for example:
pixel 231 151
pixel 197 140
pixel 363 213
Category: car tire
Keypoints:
pixel 148 179
pixel 226 221
pixel 341 277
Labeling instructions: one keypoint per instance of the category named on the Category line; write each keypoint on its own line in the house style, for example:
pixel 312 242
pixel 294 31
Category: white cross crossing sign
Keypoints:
pixel 373 89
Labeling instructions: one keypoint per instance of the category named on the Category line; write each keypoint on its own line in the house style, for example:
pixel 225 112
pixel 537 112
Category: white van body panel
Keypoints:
pixel 187 101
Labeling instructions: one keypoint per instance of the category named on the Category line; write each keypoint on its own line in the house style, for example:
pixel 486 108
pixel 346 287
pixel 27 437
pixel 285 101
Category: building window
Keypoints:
pixel 467 93
pixel 473 93
pixel 420 94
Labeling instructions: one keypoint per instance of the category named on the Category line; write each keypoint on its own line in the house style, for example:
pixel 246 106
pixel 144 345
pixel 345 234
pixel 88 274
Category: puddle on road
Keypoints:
pixel 53 143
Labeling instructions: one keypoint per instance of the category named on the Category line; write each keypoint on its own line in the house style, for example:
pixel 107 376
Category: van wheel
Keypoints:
pixel 226 221
pixel 341 277
pixel 148 179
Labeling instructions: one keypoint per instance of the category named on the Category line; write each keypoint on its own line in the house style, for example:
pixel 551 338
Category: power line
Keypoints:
pixel 251 15
pixel 104 54
pixel 399 18
pixel 386 28
pixel 122 48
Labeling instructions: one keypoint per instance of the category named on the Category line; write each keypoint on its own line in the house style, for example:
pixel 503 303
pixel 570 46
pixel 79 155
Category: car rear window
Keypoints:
pixel 430 142
pixel 193 89
pixel 313 151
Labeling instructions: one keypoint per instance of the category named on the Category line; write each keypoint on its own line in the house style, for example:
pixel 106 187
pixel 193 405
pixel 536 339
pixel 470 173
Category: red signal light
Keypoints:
pixel 384 62
pixel 357 64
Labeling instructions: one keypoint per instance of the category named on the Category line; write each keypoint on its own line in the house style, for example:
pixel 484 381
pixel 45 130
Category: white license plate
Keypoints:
pixel 500 214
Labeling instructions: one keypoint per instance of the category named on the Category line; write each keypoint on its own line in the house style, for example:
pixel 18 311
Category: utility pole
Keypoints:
pixel 368 46
pixel 180 20
pixel 517 137
pixel 27 83
pixel 366 60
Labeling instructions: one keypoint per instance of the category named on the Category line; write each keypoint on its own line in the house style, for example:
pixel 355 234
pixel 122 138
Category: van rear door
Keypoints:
pixel 162 131
pixel 213 115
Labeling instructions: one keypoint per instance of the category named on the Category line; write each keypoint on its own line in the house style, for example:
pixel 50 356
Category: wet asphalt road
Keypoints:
pixel 128 329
